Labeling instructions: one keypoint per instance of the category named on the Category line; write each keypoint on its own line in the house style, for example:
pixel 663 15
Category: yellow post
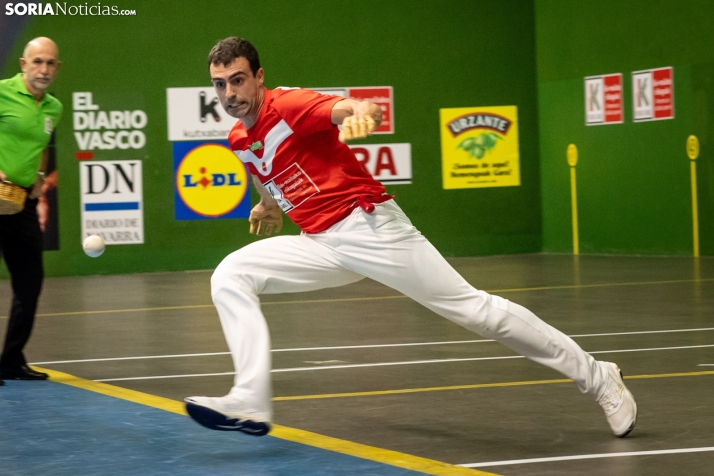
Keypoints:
pixel 573 161
pixel 693 153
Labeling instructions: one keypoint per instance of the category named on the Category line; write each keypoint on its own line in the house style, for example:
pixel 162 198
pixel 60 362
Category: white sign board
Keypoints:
pixel 391 164
pixel 603 99
pixel 112 201
pixel 642 96
pixel 594 98
pixel 196 114
pixel 653 94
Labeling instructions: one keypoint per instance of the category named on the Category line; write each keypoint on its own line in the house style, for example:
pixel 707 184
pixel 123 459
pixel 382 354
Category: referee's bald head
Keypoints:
pixel 41 43
pixel 39 63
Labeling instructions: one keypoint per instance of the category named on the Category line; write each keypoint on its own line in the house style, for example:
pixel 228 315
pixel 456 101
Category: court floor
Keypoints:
pixel 367 381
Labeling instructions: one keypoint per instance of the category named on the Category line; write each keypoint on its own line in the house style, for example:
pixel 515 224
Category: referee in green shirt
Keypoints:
pixel 28 116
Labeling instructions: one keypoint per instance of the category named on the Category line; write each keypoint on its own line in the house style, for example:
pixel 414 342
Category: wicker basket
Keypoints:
pixel 12 198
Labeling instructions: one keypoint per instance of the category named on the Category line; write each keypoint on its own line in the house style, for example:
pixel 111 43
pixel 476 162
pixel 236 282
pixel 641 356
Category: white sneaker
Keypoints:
pixel 226 414
pixel 617 401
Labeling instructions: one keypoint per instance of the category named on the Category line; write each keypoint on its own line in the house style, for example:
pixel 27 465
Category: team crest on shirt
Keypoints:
pixel 273 139
pixel 49 127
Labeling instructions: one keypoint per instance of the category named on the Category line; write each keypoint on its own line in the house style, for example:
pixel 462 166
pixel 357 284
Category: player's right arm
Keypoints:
pixel 358 118
pixel 266 217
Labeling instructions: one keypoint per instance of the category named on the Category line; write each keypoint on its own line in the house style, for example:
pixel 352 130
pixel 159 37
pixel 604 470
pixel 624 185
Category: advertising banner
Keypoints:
pixel 210 182
pixel 391 164
pixel 479 147
pixel 603 99
pixel 101 129
pixel 112 201
pixel 195 114
pixel 653 94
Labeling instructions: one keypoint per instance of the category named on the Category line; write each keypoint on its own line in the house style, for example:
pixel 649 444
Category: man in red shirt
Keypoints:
pixel 352 229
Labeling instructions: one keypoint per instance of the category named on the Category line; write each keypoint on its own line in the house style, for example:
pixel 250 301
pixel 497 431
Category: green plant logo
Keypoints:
pixel 479 145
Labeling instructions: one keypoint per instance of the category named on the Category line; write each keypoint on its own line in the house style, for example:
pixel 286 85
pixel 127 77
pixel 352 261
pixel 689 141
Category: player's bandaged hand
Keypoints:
pixel 357 127
pixel 264 220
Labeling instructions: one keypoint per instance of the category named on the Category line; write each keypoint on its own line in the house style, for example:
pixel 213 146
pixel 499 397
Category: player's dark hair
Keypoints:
pixel 226 51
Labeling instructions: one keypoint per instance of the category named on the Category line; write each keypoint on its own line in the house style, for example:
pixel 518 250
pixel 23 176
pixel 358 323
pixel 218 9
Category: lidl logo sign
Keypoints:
pixel 210 182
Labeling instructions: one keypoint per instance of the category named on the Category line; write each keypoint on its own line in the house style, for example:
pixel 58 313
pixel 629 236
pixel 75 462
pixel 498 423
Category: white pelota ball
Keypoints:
pixel 93 246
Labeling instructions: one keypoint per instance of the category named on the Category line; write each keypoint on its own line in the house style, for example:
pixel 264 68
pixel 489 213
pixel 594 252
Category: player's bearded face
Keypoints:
pixel 238 89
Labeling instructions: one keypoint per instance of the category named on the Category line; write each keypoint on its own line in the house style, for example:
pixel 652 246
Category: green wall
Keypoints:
pixel 434 55
pixel 634 192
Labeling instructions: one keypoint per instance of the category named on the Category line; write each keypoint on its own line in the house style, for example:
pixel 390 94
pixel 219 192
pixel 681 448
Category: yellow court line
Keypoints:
pixel 112 311
pixel 374 298
pixel 474 386
pixel 371 453
pixel 113 391
pixel 392 458
pixel 201 306
pixel 601 285
pixel 678 374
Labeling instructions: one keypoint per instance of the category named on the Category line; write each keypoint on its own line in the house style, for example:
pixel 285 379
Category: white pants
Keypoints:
pixel 387 248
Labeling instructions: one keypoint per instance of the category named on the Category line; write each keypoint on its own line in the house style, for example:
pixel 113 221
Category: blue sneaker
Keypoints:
pixel 226 414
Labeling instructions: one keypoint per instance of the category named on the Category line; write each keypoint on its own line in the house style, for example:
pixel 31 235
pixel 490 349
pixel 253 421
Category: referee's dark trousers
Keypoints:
pixel 21 244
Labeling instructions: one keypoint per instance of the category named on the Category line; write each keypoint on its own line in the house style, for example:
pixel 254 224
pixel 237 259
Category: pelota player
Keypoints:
pixel 289 140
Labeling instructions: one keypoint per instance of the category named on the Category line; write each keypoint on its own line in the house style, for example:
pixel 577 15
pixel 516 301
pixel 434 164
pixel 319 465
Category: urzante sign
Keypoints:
pixel 479 147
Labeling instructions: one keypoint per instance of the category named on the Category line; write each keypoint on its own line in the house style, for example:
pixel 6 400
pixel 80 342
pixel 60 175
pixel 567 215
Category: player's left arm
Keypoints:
pixel 358 118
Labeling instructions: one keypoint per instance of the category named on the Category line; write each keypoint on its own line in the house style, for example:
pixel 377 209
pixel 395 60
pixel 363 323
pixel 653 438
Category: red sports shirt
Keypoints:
pixel 294 151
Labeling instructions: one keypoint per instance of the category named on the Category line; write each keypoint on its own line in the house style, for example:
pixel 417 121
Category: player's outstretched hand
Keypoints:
pixel 357 127
pixel 265 220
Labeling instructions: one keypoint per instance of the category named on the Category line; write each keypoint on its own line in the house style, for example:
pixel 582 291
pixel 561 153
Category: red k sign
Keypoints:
pixel 653 94
pixel 603 99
